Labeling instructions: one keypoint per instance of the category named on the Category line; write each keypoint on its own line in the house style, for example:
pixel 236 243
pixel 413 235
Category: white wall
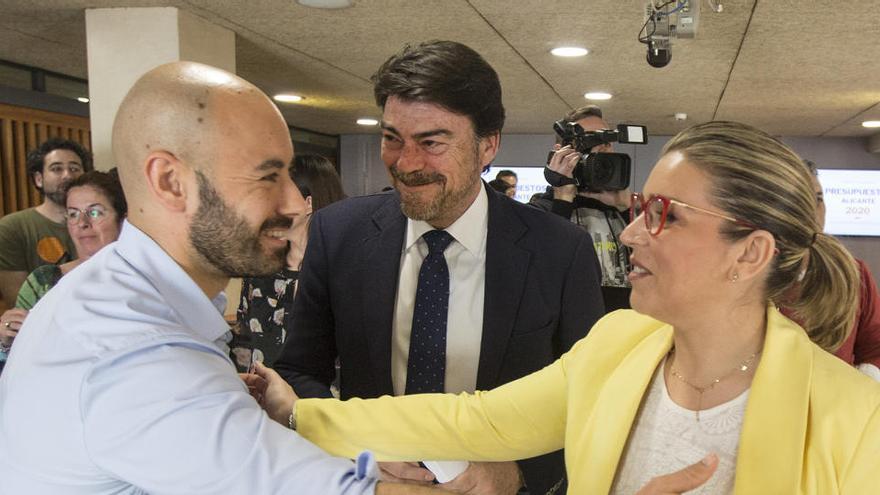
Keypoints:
pixel 364 173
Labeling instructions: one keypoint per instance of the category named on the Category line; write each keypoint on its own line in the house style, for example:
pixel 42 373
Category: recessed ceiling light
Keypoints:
pixel 367 121
pixel 569 51
pixel 82 99
pixel 597 95
pixel 287 98
pixel 871 123
pixel 325 4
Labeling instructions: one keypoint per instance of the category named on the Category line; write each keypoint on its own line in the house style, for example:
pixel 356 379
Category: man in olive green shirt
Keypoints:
pixel 38 236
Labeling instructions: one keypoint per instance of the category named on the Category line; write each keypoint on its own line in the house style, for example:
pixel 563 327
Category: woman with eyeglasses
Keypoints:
pixel 704 385
pixel 96 208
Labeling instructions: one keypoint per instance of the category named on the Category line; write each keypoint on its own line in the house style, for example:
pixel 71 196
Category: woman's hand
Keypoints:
pixel 277 396
pixel 684 480
pixel 10 323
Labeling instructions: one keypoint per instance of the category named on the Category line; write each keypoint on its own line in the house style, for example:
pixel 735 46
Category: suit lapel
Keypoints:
pixel 507 265
pixel 381 264
pixel 776 414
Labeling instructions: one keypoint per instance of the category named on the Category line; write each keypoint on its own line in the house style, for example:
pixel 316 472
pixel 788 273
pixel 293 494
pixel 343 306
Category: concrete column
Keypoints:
pixel 123 44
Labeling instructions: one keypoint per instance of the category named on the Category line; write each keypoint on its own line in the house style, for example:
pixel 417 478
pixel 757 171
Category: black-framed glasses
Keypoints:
pixel 93 213
pixel 656 208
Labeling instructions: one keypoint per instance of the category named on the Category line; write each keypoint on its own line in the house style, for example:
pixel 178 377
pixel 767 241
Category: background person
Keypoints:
pixel 602 214
pixel 96 208
pixel 504 187
pixel 38 236
pixel 862 348
pixel 707 368
pixel 264 311
pixel 508 176
pixel 515 288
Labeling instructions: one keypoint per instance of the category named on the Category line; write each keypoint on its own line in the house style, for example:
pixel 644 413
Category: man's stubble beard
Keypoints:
pixel 226 242
pixel 59 195
pixel 415 208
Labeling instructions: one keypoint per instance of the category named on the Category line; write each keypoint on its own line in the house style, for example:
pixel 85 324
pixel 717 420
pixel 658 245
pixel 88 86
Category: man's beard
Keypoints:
pixel 416 208
pixel 59 194
pixel 227 242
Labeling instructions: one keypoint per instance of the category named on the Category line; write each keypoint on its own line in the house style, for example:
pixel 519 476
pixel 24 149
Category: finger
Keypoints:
pixel 407 471
pixel 559 160
pixel 254 381
pixel 684 480
pixel 265 372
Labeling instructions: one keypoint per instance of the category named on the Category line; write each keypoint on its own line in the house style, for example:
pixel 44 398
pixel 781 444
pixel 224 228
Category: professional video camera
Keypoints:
pixel 596 171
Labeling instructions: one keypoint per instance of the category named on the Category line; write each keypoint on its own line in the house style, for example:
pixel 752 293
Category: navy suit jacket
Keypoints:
pixel 542 294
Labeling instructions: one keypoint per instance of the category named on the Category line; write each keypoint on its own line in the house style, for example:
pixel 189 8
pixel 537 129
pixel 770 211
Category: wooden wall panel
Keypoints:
pixel 21 130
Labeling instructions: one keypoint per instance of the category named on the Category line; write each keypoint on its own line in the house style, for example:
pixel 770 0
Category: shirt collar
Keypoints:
pixel 193 309
pixel 469 230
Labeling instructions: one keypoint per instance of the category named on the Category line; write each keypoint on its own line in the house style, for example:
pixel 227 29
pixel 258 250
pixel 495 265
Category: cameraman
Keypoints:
pixel 603 214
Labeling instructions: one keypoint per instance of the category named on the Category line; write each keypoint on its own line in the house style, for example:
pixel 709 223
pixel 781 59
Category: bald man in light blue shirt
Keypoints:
pixel 120 380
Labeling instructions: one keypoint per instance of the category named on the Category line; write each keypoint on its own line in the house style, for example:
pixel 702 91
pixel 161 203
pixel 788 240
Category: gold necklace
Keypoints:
pixel 742 368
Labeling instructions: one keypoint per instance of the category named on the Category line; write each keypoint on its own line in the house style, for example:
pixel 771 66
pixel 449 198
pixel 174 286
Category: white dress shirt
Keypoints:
pixel 466 258
pixel 120 382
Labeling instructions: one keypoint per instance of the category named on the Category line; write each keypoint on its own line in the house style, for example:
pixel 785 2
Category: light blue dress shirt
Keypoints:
pixel 120 382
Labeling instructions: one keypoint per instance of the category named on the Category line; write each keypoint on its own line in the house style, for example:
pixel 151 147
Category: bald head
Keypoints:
pixel 184 109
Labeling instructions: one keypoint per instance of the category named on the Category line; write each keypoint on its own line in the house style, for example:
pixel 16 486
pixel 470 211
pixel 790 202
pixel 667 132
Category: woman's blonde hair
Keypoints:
pixel 758 179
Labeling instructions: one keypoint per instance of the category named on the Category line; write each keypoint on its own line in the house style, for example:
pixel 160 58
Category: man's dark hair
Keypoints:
pixel 447 74
pixel 583 112
pixel 36 157
pixel 505 173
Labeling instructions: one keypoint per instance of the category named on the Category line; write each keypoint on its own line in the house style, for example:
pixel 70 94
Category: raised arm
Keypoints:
pixel 518 420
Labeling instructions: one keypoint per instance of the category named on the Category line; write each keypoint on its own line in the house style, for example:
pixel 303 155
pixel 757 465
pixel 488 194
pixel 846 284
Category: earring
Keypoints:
pixel 735 277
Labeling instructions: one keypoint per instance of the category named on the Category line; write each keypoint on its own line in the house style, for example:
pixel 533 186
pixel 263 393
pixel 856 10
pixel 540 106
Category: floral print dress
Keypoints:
pixel 263 318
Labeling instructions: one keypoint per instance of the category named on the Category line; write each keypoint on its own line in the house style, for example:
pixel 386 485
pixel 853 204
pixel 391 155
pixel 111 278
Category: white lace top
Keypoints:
pixel 666 437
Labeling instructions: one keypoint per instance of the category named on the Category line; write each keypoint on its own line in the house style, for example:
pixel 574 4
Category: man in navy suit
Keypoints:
pixel 523 284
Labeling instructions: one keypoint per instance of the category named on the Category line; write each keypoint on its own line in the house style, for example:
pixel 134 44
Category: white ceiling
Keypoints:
pixel 791 67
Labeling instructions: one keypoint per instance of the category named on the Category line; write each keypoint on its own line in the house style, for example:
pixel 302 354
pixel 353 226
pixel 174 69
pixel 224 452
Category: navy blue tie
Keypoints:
pixel 426 366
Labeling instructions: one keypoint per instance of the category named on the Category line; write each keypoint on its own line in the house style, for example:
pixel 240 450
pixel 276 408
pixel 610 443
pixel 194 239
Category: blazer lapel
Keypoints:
pixel 776 413
pixel 614 412
pixel 380 266
pixel 506 268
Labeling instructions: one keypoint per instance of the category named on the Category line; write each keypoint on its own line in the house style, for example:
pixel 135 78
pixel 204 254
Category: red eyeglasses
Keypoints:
pixel 656 207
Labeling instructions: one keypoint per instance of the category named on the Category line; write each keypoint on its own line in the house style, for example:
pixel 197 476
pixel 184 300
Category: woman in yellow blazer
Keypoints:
pixel 707 365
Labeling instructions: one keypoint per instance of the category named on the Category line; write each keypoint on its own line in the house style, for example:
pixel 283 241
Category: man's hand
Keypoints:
pixel 405 472
pixel 563 162
pixel 10 323
pixel 278 396
pixel 682 481
pixel 487 478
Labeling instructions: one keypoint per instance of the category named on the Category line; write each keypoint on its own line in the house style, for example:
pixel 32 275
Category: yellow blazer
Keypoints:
pixel 811 426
